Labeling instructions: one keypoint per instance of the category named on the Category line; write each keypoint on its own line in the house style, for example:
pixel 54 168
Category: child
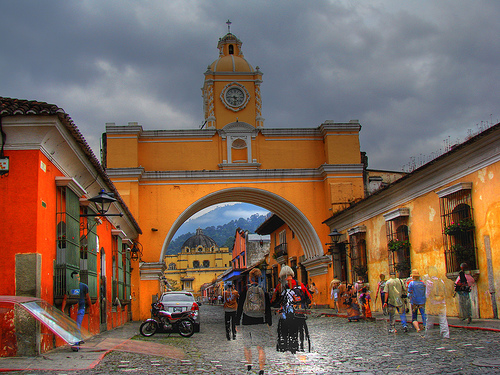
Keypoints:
pixel 365 300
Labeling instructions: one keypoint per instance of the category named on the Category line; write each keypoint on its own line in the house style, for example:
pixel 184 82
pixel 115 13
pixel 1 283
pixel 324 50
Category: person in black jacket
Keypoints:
pixel 254 312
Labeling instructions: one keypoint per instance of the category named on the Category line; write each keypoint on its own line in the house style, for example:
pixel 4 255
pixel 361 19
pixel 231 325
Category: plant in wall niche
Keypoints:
pixel 361 271
pixel 395 245
pixel 402 266
pixel 464 254
pixel 463 225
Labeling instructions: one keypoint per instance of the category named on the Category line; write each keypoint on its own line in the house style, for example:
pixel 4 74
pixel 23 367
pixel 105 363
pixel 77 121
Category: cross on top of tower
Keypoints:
pixel 228 23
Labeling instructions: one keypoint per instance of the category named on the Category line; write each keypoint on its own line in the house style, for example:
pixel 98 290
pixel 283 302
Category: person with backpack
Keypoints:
pixel 230 306
pixel 395 295
pixel 254 313
pixel 292 327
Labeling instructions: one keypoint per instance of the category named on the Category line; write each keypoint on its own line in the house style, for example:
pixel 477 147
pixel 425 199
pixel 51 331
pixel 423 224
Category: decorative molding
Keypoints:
pixel 356 230
pixel 119 233
pixel 233 171
pixel 454 189
pixel 399 212
pixel 70 182
pixel 152 271
pixel 318 265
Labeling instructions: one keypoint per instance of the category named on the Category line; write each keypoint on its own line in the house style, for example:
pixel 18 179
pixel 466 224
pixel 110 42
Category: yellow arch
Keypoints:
pixel 297 221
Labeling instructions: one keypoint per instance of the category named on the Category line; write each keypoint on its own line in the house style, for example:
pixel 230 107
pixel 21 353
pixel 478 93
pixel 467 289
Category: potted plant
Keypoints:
pixel 395 245
pixel 463 225
pixel 464 254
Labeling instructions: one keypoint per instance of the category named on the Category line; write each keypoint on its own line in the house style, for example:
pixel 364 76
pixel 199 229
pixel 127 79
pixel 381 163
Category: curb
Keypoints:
pixel 333 315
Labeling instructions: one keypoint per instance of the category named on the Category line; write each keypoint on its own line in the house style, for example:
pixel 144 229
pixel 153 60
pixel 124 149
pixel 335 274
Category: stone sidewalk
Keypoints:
pixel 119 339
pixel 92 352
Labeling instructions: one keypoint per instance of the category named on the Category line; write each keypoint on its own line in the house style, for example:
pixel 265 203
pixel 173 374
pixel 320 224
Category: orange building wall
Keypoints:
pixel 425 233
pixel 25 191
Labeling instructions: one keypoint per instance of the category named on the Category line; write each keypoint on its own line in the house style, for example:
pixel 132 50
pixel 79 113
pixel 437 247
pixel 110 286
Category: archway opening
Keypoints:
pixel 288 212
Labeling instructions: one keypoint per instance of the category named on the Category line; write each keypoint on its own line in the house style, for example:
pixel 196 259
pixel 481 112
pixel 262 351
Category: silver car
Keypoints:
pixel 181 301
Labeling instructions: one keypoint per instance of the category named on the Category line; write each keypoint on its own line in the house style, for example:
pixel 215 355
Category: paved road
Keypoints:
pixel 338 347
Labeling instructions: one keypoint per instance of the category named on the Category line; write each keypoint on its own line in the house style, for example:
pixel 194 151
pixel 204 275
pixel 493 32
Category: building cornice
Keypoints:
pixel 318 265
pixel 320 173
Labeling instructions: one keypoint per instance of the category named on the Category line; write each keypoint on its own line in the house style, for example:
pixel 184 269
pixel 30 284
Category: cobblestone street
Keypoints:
pixel 359 347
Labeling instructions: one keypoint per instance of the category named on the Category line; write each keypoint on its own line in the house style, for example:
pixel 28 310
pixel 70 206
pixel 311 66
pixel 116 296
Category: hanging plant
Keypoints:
pixel 395 245
pixel 463 225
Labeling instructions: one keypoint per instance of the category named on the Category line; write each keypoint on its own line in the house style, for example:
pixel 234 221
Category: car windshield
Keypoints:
pixel 177 297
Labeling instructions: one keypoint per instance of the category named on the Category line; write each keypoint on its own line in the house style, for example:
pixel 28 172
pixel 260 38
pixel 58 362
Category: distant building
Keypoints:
pixel 249 250
pixel 284 250
pixel 200 262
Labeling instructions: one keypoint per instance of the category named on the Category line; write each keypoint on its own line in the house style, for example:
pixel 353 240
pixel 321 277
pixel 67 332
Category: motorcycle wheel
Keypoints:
pixel 148 328
pixel 186 328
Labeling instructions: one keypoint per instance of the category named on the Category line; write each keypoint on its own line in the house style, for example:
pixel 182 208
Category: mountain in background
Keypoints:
pixel 222 234
pixel 219 214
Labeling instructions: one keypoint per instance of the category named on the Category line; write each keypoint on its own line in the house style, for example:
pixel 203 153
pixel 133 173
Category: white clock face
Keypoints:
pixel 235 97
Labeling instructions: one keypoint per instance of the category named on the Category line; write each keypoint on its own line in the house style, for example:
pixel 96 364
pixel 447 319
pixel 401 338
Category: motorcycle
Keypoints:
pixel 164 321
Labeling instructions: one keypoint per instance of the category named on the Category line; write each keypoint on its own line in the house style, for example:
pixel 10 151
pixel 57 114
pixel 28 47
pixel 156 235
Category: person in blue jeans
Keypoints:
pixel 416 291
pixel 83 297
pixel 395 290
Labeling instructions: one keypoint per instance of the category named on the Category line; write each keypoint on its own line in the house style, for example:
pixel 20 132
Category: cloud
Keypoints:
pixel 413 73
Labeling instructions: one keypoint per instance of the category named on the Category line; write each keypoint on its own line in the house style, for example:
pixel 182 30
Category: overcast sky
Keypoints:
pixel 415 73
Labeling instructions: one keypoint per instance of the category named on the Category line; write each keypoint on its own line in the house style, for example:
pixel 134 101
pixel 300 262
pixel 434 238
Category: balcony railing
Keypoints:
pixel 280 250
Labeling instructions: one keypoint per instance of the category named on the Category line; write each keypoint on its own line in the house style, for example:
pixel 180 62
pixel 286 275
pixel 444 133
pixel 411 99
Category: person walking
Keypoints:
pixel 230 307
pixel 313 290
pixel 83 297
pixel 334 293
pixel 463 286
pixel 380 289
pixel 417 294
pixel 436 303
pixel 292 327
pixel 395 293
pixel 254 313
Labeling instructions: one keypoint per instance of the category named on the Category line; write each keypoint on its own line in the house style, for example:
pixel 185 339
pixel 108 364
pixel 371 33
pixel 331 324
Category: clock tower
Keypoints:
pixel 231 91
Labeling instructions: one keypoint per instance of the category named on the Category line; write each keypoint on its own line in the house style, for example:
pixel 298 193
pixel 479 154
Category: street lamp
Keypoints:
pixel 335 236
pixel 103 202
pixel 136 250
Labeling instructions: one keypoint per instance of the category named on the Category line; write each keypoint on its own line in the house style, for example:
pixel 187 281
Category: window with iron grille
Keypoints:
pixel 126 272
pixel 116 245
pixel 67 240
pixel 359 264
pixel 398 246
pixel 88 254
pixel 458 229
